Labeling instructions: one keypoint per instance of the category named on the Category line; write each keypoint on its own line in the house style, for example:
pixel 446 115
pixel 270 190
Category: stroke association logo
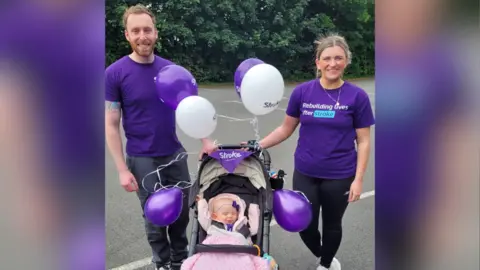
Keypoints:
pixel 268 104
pixel 323 114
pixel 230 159
pixel 229 156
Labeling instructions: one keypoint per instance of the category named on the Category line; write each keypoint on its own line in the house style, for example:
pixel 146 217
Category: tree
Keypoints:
pixel 211 38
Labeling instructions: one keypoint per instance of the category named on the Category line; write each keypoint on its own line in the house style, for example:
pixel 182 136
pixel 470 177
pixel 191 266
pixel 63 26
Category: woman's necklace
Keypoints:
pixel 337 102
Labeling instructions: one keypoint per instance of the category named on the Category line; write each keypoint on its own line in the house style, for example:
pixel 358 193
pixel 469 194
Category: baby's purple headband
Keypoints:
pixel 236 206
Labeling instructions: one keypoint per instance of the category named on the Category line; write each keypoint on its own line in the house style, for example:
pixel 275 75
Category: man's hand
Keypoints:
pixel 128 182
pixel 208 147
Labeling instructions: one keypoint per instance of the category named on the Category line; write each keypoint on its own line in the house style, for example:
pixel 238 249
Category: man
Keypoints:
pixel 150 132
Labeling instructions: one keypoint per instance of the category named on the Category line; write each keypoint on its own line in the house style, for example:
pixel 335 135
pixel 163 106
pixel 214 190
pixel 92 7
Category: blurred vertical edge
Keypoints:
pixel 427 139
pixel 52 58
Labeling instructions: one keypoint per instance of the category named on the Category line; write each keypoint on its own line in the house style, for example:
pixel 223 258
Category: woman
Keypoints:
pixel 332 114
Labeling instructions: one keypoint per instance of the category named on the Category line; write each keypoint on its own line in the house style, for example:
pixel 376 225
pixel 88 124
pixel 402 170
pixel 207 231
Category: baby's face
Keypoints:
pixel 224 212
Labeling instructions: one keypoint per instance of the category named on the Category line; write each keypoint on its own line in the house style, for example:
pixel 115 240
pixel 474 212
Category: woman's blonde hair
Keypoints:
pixel 332 40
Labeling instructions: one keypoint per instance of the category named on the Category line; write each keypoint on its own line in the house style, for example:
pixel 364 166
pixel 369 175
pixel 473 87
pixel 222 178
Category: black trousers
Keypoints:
pixel 169 244
pixel 332 197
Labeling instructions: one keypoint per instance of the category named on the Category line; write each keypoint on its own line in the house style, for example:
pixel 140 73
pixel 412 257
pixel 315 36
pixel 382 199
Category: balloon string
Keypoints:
pixel 158 185
pixel 253 121
pixel 256 128
pixel 181 184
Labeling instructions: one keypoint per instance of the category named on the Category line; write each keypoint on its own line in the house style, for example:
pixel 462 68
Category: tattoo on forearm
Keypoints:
pixel 112 106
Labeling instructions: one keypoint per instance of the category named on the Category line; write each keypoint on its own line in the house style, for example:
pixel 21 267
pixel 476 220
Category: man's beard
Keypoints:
pixel 142 50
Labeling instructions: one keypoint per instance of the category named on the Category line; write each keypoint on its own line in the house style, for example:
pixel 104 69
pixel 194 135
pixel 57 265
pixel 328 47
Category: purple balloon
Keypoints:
pixel 164 206
pixel 242 70
pixel 174 83
pixel 292 210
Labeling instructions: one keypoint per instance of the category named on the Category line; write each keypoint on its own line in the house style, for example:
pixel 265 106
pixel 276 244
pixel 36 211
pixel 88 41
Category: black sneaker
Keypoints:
pixel 163 267
pixel 176 265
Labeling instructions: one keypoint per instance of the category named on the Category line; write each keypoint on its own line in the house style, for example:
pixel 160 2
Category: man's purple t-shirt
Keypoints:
pixel 149 124
pixel 326 143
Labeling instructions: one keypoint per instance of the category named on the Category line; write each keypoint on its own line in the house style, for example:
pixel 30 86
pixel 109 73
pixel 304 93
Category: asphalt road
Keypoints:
pixel 126 243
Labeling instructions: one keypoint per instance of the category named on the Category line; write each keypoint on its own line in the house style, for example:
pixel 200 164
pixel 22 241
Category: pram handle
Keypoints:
pixel 252 250
pixel 251 145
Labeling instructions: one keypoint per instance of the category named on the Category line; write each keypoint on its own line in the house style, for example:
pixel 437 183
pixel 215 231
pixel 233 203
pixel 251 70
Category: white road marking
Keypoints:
pixel 233 101
pixel 147 261
pixel 229 117
pixel 367 194
pixel 135 265
pixel 273 222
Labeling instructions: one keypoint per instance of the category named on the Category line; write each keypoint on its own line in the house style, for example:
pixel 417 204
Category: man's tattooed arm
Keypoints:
pixel 112 133
pixel 112 106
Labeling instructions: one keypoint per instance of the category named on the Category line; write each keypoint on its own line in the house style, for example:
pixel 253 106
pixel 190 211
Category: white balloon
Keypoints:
pixel 262 89
pixel 196 116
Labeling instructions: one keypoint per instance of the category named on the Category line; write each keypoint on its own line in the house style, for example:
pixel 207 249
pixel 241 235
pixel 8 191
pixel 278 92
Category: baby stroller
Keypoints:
pixel 250 181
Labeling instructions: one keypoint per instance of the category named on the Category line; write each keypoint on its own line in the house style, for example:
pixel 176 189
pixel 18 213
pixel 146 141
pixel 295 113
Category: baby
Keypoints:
pixel 225 213
pixel 225 223
pixel 225 210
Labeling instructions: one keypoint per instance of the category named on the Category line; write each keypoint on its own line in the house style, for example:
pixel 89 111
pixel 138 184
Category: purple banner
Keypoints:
pixel 230 158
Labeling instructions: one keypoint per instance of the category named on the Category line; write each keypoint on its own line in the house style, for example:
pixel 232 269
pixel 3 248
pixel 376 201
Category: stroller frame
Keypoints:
pixel 265 199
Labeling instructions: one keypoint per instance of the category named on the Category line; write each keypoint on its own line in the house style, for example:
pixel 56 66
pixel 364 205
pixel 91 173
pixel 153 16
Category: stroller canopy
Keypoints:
pixel 250 167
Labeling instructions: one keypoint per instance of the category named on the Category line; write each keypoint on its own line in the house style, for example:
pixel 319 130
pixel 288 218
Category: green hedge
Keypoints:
pixel 212 37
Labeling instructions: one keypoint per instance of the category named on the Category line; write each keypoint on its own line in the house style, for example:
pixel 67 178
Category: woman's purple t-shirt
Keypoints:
pixel 326 143
pixel 148 123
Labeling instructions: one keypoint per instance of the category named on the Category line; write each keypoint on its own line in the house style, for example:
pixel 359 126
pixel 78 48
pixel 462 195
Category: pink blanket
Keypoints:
pixel 224 261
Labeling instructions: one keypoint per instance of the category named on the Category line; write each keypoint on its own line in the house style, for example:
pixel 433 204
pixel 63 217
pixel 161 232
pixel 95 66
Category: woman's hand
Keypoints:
pixel 254 143
pixel 355 190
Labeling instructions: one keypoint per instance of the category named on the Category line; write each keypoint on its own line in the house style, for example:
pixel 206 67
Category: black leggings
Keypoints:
pixel 332 197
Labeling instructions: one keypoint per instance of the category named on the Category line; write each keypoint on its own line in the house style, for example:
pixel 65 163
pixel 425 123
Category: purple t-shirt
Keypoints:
pixel 326 143
pixel 149 124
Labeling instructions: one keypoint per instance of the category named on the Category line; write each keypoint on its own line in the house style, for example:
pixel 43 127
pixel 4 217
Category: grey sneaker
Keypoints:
pixel 335 265
pixel 319 267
